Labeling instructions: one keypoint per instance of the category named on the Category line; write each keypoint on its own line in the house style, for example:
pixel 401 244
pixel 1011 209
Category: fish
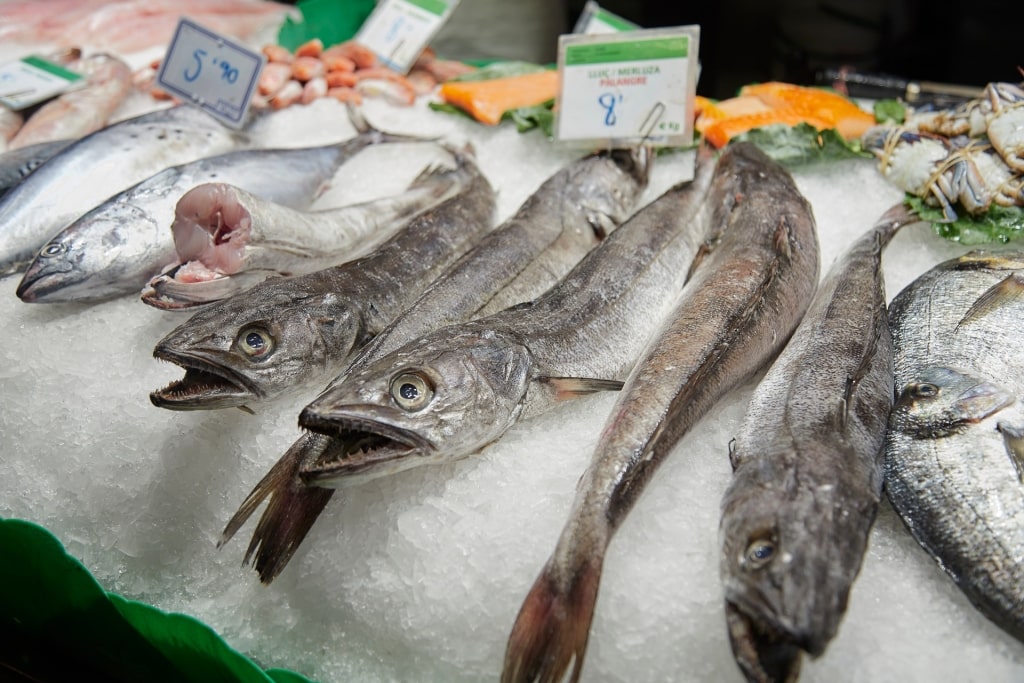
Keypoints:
pixel 746 295
pixel 807 469
pixel 78 112
pixel 228 240
pixel 450 393
pixel 283 334
pixel 954 450
pixel 15 165
pixel 116 247
pixel 569 214
pixel 10 123
pixel 113 159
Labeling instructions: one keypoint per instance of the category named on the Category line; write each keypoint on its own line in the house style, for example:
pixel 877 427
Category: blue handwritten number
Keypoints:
pixel 608 101
pixel 198 56
pixel 228 72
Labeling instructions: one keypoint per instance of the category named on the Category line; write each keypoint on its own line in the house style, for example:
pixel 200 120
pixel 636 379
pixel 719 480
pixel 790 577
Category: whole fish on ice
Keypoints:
pixel 117 246
pixel 808 469
pixel 228 240
pixel 954 453
pixel 567 216
pixel 285 333
pixel 745 297
pixel 452 392
pixel 87 172
pixel 16 164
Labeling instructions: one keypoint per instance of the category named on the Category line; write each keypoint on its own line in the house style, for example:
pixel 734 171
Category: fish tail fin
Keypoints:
pixel 363 127
pixel 894 218
pixel 551 631
pixel 292 509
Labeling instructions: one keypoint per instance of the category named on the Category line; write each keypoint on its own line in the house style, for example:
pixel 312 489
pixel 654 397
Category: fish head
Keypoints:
pixel 437 399
pixel 786 568
pixel 608 184
pixel 84 261
pixel 939 401
pixel 258 345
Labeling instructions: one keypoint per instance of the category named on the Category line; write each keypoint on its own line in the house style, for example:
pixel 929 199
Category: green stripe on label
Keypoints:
pixel 50 67
pixel 626 51
pixel 615 21
pixel 438 7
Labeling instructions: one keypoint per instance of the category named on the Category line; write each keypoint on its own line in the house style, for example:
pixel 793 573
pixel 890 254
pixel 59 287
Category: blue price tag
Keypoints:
pixel 211 72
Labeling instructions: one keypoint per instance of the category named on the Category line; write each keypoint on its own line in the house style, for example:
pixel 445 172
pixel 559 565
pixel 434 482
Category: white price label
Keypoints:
pixel 398 30
pixel 594 19
pixel 211 72
pixel 628 88
pixel 31 80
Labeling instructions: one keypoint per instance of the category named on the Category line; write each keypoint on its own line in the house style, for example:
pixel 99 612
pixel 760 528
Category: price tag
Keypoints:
pixel 211 72
pixel 31 80
pixel 398 30
pixel 622 89
pixel 596 20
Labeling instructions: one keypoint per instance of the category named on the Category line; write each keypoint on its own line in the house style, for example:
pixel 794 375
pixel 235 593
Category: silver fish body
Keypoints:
pixel 808 469
pixel 565 217
pixel 954 452
pixel 102 164
pixel 737 310
pixel 228 240
pixel 286 333
pixel 452 392
pixel 16 164
pixel 117 246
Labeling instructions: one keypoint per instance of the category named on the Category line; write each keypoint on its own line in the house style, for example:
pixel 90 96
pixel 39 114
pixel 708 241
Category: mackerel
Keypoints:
pixel 808 469
pixel 285 334
pixel 98 166
pixel 568 215
pixel 450 393
pixel 743 301
pixel 954 452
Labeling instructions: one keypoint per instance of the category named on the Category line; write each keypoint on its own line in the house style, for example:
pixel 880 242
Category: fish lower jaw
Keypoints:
pixel 359 455
pixel 763 653
pixel 200 389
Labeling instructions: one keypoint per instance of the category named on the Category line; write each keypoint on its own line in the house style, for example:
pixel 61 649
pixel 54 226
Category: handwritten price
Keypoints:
pixel 227 72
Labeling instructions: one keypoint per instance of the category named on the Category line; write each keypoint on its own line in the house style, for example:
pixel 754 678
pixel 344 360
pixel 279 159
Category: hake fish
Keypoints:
pixel 808 469
pixel 228 240
pixel 98 166
pixel 569 214
pixel 286 333
pixel 452 392
pixel 745 297
pixel 954 453
pixel 116 247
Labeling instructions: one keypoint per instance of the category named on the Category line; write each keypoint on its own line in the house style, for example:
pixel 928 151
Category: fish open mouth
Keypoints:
pixel 205 385
pixel 762 652
pixel 364 446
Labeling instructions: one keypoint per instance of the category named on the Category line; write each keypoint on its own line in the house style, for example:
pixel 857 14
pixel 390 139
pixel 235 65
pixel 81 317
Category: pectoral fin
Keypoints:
pixel 571 387
pixel 1013 439
pixel 1009 290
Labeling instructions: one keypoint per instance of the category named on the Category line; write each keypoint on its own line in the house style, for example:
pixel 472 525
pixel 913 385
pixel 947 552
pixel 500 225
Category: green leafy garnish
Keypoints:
pixel 500 70
pixel 538 116
pixel 1000 224
pixel 802 144
pixel 890 111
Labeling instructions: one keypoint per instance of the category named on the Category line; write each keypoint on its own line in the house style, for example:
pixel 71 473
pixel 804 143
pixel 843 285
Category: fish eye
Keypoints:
pixel 52 249
pixel 411 390
pixel 759 553
pixel 255 342
pixel 923 390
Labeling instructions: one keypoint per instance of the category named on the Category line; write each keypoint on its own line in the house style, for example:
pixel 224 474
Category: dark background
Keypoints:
pixel 971 42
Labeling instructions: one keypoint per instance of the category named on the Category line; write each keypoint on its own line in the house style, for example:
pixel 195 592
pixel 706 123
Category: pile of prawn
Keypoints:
pixel 969 157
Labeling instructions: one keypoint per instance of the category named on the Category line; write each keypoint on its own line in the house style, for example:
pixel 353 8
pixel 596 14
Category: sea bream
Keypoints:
pixel 98 166
pixel 228 240
pixel 115 248
pixel 452 392
pixel 808 469
pixel 283 334
pixel 568 215
pixel 954 453
pixel 744 299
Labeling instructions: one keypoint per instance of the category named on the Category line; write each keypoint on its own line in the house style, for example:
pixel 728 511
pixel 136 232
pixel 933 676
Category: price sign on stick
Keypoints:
pixel 211 72
pixel 628 88
pixel 31 80
pixel 398 30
